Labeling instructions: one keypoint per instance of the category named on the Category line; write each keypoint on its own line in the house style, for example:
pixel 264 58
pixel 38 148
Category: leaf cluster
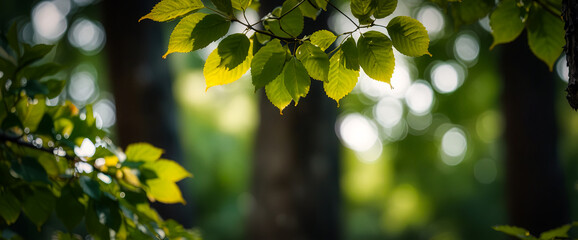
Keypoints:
pixel 55 159
pixel 281 58
pixel 521 233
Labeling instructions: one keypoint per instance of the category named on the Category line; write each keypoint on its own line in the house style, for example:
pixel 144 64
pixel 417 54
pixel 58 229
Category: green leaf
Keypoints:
pixel 557 233
pixel 323 39
pixel 108 212
pixel 10 210
pixel 277 93
pixel 376 56
pixel 167 10
pixel 296 79
pixel 233 50
pixel 384 8
pixel 90 187
pixel 241 4
pixel 30 113
pixel 39 72
pixel 506 22
pixel 309 10
pixel 142 152
pixel 545 35
pixel 12 37
pixel 33 88
pixel 350 57
pixel 362 9
pixel 48 162
pixel 168 170
pixel 38 206
pixel 54 87
pixel 196 31
pixel 164 191
pixel 93 224
pixel 224 5
pixel 341 79
pixel 68 209
pixel 220 75
pixel 30 170
pixel 321 4
pixel 408 36
pixel 291 21
pixel 267 63
pixel 315 61
pixel 515 231
pixel 468 11
pixel 33 54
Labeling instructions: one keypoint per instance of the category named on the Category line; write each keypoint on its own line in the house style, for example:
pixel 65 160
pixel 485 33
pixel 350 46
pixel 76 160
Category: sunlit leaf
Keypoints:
pixel 341 79
pixel 167 169
pixel 506 22
pixel 165 191
pixel 545 35
pixel 296 79
pixel 10 210
pixel 323 39
pixel 233 50
pixel 38 206
pixel 48 162
pixel 376 56
pixel 137 152
pixel 315 61
pixel 350 56
pixel 278 94
pixel 267 63
pixel 321 4
pixel 309 10
pixel 384 8
pixel 362 9
pixel 89 186
pixel 30 112
pixel 291 23
pixel 515 231
pixel 196 31
pixel 170 9
pixel 409 36
pixel 220 75
pixel 557 233
pixel 241 4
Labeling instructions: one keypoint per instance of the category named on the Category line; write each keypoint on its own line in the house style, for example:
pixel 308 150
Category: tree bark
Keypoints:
pixel 295 181
pixel 535 183
pixel 570 15
pixel 142 87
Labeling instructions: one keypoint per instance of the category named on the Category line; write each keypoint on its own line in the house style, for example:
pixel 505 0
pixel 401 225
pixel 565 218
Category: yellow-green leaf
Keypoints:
pixel 10 210
pixel 220 75
pixel 142 152
pixel 241 4
pixel 545 35
pixel 376 56
pixel 409 36
pixel 290 25
pixel 296 79
pixel 278 94
pixel 384 8
pixel 196 31
pixel 233 50
pixel 165 191
pixel 341 79
pixel 31 112
pixel 167 10
pixel 268 63
pixel 362 9
pixel 323 39
pixel 315 61
pixel 309 10
pixel 168 170
pixel 506 22
pixel 350 56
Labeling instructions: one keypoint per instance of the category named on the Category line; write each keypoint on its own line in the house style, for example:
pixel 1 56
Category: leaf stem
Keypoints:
pixel 342 13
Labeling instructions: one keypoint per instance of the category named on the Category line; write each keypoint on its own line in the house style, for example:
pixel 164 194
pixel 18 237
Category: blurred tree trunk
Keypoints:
pixel 535 183
pixel 295 181
pixel 142 87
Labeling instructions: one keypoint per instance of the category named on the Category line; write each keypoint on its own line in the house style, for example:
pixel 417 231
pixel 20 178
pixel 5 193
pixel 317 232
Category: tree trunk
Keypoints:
pixel 142 87
pixel 570 15
pixel 535 188
pixel 295 181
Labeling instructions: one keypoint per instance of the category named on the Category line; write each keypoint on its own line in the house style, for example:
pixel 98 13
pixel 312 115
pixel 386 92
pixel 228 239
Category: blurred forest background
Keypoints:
pixel 467 139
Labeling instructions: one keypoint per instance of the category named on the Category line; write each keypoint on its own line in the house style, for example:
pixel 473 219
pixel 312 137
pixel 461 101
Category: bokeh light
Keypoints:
pixel 433 21
pixel 454 146
pixel 82 86
pixel 419 97
pixel 562 68
pixel 48 21
pixel 106 112
pixel 357 132
pixel 467 48
pixel 87 35
pixel 447 76
pixel 388 111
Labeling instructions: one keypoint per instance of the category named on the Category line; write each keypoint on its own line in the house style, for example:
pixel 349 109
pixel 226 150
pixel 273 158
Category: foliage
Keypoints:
pixel 281 57
pixel 55 159
pixel 521 233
